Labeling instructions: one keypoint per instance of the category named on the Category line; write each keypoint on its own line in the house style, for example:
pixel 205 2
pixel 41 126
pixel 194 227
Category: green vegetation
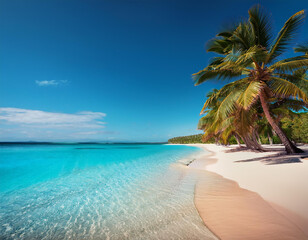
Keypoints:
pixel 186 139
pixel 197 138
pixel 296 128
pixel 266 92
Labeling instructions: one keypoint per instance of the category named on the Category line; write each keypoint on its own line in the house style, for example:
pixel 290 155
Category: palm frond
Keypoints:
pixel 220 46
pixel 253 54
pixel 226 134
pixel 228 104
pixel 302 48
pixel 243 36
pixel 216 96
pixel 225 34
pixel 260 25
pixel 298 77
pixel 250 95
pixel 285 89
pixel 212 97
pixel 216 61
pixel 203 122
pixel 246 120
pixel 286 35
pixel 210 73
pixel 292 104
pixel 290 64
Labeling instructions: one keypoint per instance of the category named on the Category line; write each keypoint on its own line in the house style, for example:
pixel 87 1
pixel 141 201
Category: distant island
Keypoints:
pixel 74 143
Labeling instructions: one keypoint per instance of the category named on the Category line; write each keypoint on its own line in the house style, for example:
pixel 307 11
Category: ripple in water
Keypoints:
pixel 127 196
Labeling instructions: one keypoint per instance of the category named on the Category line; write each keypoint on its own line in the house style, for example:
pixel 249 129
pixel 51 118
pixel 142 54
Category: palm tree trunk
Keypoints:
pixel 247 143
pixel 244 141
pixel 289 146
pixel 258 137
pixel 237 140
pixel 251 143
pixel 255 143
pixel 270 140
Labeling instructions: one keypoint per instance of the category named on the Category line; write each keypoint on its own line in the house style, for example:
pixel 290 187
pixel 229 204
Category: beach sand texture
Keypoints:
pixel 252 199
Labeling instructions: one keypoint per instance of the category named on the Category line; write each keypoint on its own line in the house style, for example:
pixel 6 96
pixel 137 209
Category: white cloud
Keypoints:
pixel 44 119
pixel 45 83
pixel 18 124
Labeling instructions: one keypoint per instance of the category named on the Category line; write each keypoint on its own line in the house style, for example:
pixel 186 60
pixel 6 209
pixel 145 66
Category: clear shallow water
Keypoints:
pixel 98 192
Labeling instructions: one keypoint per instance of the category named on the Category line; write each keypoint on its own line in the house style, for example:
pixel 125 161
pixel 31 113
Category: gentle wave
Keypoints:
pixel 119 194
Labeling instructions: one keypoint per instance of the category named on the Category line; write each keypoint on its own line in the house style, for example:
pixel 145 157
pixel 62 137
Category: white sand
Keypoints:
pixel 284 186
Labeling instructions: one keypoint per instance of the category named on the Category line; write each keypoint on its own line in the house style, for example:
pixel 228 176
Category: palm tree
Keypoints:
pixel 240 124
pixel 249 55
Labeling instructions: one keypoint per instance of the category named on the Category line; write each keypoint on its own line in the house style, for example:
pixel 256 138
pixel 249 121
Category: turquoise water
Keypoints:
pixel 98 191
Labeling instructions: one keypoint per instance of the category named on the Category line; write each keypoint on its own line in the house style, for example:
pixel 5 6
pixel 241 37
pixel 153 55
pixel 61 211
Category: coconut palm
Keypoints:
pixel 240 124
pixel 248 55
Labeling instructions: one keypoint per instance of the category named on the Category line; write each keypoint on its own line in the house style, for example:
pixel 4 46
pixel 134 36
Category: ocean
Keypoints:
pixel 98 191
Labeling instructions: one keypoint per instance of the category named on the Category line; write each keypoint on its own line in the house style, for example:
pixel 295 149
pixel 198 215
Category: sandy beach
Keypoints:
pixel 252 195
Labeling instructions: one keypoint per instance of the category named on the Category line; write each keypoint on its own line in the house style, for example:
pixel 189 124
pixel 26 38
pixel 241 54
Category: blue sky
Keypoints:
pixel 110 70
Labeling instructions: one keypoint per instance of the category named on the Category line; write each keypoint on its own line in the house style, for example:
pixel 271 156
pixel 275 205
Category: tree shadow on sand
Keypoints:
pixel 279 158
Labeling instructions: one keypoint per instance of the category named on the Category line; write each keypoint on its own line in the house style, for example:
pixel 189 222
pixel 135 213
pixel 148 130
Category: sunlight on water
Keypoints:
pixel 98 192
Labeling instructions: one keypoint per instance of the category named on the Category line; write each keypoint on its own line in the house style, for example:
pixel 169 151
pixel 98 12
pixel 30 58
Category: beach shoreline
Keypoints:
pixel 242 194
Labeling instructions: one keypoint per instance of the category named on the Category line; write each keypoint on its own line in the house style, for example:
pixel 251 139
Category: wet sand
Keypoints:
pixel 232 211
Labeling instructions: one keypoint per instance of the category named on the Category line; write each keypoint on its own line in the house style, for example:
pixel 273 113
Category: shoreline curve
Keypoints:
pixel 232 212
